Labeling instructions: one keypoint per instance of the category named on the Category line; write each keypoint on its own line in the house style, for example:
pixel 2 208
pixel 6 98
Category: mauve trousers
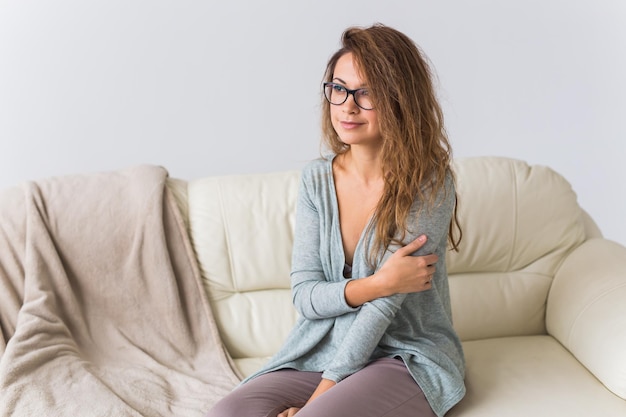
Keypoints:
pixel 384 388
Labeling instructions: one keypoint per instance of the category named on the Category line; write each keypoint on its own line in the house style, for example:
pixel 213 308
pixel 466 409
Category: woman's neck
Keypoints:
pixel 364 164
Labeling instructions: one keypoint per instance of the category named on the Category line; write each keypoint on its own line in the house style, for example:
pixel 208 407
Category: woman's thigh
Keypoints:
pixel 383 388
pixel 268 394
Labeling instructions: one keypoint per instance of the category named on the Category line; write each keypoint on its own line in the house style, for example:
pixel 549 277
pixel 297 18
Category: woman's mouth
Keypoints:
pixel 350 125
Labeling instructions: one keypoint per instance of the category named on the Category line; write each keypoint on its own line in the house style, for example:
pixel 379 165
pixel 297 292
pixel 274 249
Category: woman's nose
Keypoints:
pixel 350 106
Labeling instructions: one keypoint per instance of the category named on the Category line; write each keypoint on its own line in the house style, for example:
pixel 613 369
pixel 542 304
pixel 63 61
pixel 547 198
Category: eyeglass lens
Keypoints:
pixel 338 94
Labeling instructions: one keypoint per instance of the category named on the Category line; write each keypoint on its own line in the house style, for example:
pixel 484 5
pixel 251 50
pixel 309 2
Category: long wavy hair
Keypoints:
pixel 416 153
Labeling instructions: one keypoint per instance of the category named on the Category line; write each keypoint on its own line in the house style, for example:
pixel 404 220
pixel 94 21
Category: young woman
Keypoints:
pixel 373 224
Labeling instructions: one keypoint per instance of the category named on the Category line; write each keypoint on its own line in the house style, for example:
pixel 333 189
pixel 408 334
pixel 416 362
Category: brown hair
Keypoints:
pixel 416 153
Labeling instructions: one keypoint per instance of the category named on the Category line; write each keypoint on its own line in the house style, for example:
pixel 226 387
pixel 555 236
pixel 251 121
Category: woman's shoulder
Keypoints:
pixel 317 180
pixel 436 196
pixel 443 187
pixel 449 181
pixel 317 169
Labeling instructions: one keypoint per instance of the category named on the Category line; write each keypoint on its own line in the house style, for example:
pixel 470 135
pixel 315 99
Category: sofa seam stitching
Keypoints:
pixel 227 238
pixel 592 302
pixel 515 216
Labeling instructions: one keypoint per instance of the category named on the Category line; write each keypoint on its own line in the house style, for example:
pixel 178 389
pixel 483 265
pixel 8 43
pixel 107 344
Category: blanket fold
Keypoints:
pixel 102 309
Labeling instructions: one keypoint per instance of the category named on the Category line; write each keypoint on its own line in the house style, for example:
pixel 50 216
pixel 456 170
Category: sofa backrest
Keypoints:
pixel 241 228
pixel 518 223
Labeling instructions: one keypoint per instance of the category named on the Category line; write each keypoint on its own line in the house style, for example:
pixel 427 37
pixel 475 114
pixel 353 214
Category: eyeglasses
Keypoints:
pixel 337 94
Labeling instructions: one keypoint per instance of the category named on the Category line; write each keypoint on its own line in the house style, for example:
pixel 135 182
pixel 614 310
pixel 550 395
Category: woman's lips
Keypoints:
pixel 350 125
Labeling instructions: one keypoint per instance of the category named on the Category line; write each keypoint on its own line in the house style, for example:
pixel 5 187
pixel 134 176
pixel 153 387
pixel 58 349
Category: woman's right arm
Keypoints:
pixel 315 296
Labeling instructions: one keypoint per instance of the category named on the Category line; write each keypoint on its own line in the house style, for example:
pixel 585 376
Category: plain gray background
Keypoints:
pixel 228 87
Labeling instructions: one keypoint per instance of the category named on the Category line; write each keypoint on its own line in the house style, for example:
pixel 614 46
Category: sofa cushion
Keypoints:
pixel 519 222
pixel 509 376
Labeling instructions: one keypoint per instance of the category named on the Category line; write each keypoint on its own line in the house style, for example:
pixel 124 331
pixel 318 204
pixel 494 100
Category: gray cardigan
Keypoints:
pixel 332 337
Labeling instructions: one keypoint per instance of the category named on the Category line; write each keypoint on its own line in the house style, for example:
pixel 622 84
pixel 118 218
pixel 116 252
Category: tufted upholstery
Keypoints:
pixel 242 229
pixel 519 222
pixel 520 302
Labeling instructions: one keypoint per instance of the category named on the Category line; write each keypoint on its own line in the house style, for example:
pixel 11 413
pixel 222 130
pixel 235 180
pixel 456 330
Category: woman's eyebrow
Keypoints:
pixel 344 83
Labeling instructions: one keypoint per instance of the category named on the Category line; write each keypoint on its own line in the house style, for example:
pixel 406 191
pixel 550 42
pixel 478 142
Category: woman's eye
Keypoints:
pixel 338 88
pixel 364 92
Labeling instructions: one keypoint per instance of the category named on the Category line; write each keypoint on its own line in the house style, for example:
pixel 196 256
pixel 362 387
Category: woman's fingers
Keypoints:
pixel 412 246
pixel 290 412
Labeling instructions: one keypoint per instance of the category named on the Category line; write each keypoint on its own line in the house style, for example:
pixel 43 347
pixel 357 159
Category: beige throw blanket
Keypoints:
pixel 102 311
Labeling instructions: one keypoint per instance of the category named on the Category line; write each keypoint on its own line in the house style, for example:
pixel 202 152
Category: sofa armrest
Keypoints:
pixel 586 310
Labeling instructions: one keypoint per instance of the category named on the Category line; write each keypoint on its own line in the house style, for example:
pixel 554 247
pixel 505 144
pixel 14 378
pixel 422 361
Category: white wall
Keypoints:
pixel 206 87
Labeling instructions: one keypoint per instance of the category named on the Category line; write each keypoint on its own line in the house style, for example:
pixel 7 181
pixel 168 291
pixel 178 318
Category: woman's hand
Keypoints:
pixel 400 274
pixel 403 273
pixel 324 385
pixel 290 412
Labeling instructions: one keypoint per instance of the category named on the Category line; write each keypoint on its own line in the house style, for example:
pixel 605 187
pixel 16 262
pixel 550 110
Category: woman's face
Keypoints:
pixel 354 125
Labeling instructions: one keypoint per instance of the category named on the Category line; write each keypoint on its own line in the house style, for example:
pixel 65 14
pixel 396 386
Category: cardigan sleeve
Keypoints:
pixel 374 317
pixel 315 294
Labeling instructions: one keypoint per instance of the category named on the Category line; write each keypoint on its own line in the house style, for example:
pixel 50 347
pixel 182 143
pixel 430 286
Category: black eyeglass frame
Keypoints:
pixel 349 92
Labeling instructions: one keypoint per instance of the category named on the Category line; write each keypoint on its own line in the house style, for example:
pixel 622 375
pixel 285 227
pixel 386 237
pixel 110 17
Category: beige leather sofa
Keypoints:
pixel 538 296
